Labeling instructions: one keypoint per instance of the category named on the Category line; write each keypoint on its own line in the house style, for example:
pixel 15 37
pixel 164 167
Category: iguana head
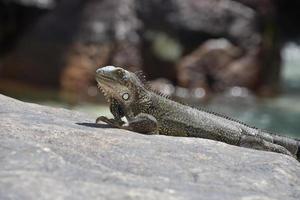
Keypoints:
pixel 118 83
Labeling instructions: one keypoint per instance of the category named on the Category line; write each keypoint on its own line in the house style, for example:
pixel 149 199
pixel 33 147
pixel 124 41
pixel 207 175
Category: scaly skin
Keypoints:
pixel 148 112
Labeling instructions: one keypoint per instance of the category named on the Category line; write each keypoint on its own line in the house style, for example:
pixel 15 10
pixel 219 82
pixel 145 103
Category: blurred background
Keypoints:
pixel 238 57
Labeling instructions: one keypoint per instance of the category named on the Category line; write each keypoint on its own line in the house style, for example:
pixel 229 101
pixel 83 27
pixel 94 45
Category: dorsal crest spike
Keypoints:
pixel 140 74
pixel 148 86
pixel 223 116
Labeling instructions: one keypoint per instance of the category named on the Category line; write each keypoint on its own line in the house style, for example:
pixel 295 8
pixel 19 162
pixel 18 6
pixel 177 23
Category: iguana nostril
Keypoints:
pixel 99 70
pixel 105 69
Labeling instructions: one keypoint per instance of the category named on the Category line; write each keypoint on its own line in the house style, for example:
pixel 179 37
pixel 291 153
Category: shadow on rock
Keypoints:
pixel 94 125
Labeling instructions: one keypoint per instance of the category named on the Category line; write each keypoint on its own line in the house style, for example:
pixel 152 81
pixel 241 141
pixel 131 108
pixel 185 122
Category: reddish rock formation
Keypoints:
pixel 59 44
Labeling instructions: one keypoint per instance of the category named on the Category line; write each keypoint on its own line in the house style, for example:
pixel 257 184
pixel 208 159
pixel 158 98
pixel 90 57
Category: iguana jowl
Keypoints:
pixel 148 112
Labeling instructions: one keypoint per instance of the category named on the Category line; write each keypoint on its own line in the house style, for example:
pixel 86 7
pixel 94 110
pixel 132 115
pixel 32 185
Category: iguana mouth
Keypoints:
pixel 104 84
pixel 104 92
pixel 102 77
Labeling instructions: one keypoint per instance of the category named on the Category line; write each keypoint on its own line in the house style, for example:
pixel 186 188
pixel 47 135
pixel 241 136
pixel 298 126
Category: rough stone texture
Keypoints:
pixel 63 41
pixel 37 3
pixel 50 153
pixel 215 18
pixel 89 33
pixel 194 23
pixel 217 65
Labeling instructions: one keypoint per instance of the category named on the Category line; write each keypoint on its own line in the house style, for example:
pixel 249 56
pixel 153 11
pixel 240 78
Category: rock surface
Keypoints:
pixel 50 153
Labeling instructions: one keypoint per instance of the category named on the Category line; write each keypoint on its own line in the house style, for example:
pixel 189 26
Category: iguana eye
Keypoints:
pixel 125 96
pixel 120 72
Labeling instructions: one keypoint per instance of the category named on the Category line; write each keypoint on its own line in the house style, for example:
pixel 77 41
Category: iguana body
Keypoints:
pixel 148 112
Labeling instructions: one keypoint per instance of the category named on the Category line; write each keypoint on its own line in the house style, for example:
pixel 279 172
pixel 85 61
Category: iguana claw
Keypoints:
pixel 112 122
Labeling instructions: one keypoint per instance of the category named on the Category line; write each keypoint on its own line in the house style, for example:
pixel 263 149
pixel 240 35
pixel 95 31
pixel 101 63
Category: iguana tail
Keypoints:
pixel 291 144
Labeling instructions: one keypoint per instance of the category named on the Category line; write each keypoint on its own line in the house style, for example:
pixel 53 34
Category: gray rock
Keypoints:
pixel 48 4
pixel 51 153
pixel 226 18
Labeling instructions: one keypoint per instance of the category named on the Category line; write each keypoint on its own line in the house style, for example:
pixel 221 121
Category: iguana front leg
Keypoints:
pixel 117 112
pixel 142 123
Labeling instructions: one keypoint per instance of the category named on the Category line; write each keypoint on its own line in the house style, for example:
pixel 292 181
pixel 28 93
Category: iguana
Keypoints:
pixel 149 112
